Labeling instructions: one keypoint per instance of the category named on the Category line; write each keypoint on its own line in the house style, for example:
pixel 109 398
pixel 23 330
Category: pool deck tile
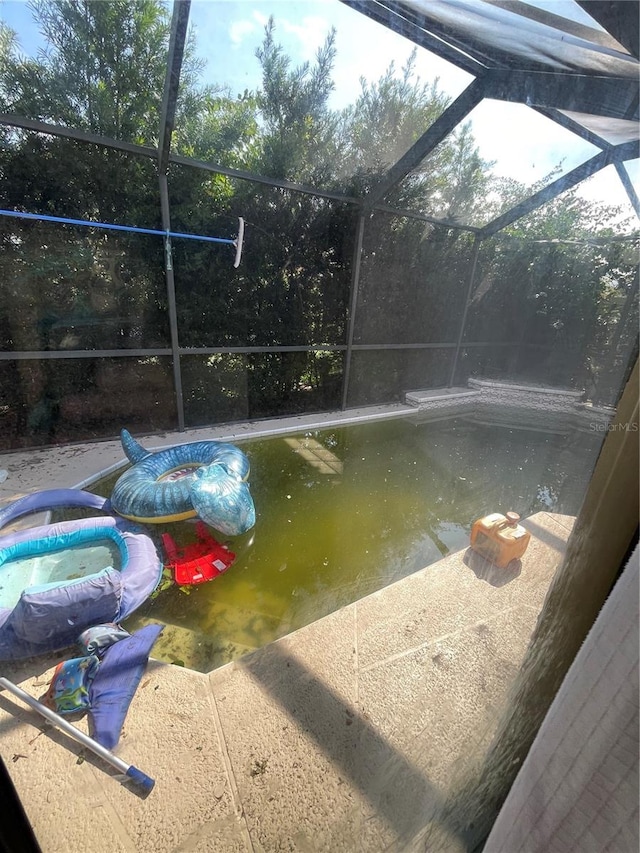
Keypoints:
pixel 170 734
pixel 287 712
pixel 454 594
pixel 346 735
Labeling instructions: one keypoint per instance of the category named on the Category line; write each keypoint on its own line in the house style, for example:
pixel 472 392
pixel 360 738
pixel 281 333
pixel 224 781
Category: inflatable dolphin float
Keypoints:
pixel 204 478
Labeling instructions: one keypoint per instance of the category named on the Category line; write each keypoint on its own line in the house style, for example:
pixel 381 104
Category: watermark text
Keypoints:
pixel 621 427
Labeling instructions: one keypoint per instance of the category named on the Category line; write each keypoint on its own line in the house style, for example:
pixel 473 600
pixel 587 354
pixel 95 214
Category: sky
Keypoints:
pixel 521 143
pixel 229 32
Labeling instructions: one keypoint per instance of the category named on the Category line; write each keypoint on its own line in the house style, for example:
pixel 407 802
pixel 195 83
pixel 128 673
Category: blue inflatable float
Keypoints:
pixel 203 478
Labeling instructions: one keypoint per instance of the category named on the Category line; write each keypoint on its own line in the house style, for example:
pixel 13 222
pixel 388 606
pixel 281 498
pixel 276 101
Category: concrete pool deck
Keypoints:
pixel 347 735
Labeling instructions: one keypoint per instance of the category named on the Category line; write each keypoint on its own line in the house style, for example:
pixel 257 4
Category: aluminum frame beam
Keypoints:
pixel 617 154
pixel 558 22
pixel 57 355
pixel 353 304
pixel 249 350
pixel 37 355
pixel 432 137
pixel 574 127
pixel 181 160
pixel 171 302
pixel 177 39
pixel 424 217
pixel 613 97
pixel 11 120
pixel 465 311
pixel 456 31
pixel 631 191
pixel 408 25
pixel 618 18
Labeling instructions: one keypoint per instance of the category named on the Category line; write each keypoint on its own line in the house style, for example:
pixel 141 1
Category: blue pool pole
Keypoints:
pixel 137 777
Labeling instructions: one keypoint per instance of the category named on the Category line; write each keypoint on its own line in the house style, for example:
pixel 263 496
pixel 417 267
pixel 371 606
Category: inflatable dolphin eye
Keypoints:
pixel 205 478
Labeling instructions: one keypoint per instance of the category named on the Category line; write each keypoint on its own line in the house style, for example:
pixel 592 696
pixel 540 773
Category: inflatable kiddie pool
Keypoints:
pixel 58 579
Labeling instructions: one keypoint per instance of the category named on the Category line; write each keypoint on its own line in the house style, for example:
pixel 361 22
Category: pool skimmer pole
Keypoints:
pixel 143 782
pixel 110 226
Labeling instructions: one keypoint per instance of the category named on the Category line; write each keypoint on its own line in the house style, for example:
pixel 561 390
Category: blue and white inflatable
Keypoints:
pixel 203 478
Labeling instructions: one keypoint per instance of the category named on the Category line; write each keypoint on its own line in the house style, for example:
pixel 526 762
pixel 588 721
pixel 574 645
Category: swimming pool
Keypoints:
pixel 343 512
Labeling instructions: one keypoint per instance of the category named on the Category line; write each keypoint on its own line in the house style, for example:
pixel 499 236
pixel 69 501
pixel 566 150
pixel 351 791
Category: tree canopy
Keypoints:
pixel 102 71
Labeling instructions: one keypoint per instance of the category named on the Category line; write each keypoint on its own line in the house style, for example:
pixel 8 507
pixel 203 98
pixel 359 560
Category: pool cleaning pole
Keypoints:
pixel 110 226
pixel 140 779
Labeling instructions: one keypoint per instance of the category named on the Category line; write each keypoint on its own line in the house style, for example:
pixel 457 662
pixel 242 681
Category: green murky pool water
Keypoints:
pixel 344 512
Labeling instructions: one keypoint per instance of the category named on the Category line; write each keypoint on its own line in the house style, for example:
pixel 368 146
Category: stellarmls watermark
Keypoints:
pixel 622 427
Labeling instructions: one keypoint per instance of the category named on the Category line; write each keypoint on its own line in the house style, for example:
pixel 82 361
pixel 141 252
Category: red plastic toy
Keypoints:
pixel 202 561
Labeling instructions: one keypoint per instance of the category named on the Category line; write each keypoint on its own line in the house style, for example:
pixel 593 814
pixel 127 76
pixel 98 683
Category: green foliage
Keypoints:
pixel 222 130
pixel 297 124
pixel 90 72
pixel 388 116
pixel 102 71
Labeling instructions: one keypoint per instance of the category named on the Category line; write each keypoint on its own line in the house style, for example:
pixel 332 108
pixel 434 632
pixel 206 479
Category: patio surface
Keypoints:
pixel 346 735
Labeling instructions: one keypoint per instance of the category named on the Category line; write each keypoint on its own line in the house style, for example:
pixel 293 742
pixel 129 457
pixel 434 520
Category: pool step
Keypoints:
pixel 437 398
pixel 186 647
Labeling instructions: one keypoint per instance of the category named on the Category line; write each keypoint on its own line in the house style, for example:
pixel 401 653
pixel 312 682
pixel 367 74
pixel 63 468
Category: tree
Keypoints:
pixel 222 130
pixel 386 119
pixel 561 284
pixel 103 71
pixel 296 137
pixel 96 55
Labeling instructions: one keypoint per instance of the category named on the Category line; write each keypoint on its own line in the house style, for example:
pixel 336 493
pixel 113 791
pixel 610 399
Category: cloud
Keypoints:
pixel 310 32
pixel 239 30
pixel 261 19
